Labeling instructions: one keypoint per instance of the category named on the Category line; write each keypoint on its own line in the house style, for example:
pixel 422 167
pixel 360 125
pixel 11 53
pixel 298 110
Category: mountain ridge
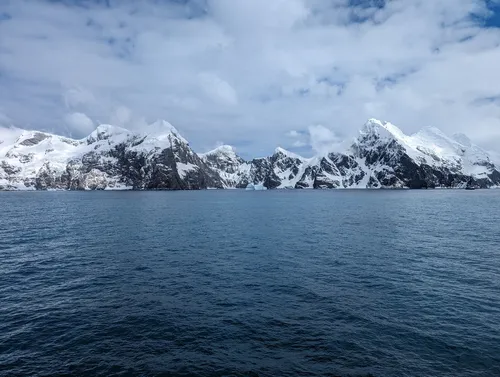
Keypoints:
pixel 111 157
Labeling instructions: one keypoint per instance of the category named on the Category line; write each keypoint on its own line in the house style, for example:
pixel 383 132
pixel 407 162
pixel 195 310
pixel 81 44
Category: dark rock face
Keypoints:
pixel 274 170
pixel 26 158
pixel 48 178
pixel 284 162
pixel 160 170
pixel 224 162
pixel 37 137
pixel 348 168
pixel 262 171
pixel 9 169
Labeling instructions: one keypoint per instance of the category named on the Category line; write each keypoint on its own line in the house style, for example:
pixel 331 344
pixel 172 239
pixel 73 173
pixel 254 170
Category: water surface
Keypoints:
pixel 238 283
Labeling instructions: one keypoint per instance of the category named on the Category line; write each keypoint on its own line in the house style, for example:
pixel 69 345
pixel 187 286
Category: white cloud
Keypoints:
pixel 77 97
pixel 218 89
pixel 79 122
pixel 249 71
pixel 293 134
pixel 121 116
pixel 4 119
pixel 299 144
pixel 322 139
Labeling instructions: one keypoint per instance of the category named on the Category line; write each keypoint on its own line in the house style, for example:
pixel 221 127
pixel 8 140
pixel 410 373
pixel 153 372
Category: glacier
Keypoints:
pixel 114 158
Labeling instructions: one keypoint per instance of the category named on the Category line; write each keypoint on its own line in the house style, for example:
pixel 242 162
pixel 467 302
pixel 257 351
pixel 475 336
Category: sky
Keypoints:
pixel 255 74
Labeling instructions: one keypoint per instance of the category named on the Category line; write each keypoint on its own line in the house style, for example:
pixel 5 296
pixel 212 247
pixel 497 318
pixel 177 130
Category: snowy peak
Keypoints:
pixel 163 130
pixel 105 132
pixel 224 150
pixel 156 136
pixel 458 149
pixel 429 141
pixel 230 167
pixel 374 137
pixel 228 149
pixel 17 137
pixel 24 145
pixel 372 127
pixel 286 153
pixel 224 155
pixel 11 137
pixel 429 146
pixel 375 129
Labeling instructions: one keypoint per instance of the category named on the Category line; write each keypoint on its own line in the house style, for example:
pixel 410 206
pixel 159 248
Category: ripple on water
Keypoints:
pixel 323 283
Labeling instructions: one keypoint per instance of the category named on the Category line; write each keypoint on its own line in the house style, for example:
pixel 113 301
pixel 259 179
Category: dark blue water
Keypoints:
pixel 235 283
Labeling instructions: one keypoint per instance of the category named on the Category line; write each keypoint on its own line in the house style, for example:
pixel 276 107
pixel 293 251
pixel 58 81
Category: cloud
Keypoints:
pixel 301 140
pixel 299 144
pixel 79 122
pixel 4 119
pixel 217 89
pixel 77 97
pixel 293 134
pixel 323 140
pixel 121 116
pixel 248 72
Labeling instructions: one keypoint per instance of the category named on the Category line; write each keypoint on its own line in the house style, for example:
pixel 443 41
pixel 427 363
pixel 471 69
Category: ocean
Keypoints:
pixel 383 283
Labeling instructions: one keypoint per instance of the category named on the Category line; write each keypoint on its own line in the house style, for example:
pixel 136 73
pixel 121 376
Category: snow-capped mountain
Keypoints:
pixel 232 169
pixel 109 158
pixel 428 158
pixel 382 156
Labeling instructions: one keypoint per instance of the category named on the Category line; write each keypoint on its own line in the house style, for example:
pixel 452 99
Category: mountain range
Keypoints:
pixel 381 156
